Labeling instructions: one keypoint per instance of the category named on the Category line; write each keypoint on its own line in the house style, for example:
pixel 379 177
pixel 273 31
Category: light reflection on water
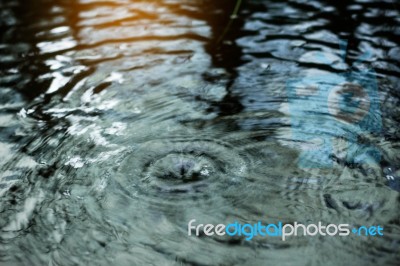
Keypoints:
pixel 123 120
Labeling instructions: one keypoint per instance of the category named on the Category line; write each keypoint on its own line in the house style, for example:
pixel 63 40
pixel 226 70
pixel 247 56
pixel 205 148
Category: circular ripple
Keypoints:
pixel 181 166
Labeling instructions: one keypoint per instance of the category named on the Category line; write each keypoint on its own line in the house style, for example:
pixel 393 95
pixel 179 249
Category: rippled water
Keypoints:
pixel 122 120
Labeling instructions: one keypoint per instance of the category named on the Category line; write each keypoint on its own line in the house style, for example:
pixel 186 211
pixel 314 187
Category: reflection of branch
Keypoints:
pixel 232 17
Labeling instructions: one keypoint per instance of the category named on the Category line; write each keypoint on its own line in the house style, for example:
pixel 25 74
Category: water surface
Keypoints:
pixel 123 120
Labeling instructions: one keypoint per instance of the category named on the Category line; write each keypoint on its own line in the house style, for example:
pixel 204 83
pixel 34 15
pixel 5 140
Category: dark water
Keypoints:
pixel 122 120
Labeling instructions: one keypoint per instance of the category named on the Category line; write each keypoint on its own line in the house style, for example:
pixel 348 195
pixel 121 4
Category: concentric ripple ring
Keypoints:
pixel 181 165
